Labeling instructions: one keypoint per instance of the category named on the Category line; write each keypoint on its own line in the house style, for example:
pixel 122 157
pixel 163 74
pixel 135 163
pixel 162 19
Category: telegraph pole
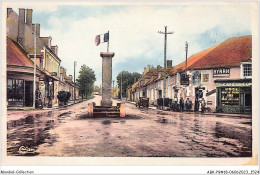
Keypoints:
pixel 126 92
pixel 121 85
pixel 165 47
pixel 186 49
pixel 34 69
pixel 74 82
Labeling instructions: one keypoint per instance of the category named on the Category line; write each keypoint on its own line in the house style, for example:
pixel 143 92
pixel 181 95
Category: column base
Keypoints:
pixel 106 103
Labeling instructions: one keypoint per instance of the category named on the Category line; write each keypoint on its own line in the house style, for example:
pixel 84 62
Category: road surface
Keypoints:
pixel 143 132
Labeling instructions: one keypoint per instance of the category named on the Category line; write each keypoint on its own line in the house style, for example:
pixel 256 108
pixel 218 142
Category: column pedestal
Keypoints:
pixel 106 78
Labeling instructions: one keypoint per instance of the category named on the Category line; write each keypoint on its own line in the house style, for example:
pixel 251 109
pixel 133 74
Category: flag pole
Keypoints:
pixel 108 42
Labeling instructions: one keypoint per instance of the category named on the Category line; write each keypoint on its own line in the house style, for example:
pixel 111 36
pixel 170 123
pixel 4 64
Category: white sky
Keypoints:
pixel 134 32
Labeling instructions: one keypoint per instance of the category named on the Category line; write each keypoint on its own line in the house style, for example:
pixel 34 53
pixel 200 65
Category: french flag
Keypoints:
pixel 97 40
pixel 106 37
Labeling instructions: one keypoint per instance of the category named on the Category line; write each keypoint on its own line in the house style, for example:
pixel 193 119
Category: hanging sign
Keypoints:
pixel 184 79
pixel 196 78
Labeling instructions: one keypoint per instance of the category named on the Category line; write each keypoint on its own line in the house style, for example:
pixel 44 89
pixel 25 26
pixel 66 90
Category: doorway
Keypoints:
pixel 160 93
pixel 198 97
pixel 28 93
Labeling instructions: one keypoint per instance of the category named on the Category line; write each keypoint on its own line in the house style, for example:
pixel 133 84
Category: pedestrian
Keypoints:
pixel 175 103
pixel 39 99
pixel 181 104
pixel 188 104
pixel 203 105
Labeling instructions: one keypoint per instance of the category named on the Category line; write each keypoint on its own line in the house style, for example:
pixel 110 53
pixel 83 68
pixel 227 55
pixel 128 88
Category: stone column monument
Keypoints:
pixel 106 78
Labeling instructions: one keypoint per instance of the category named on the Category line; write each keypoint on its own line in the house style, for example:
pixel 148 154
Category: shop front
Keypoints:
pixel 234 96
pixel 19 84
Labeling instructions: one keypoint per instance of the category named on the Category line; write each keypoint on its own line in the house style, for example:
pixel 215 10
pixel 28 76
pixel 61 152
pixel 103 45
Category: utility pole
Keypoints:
pixel 186 49
pixel 113 83
pixel 126 92
pixel 121 85
pixel 165 47
pixel 34 69
pixel 74 82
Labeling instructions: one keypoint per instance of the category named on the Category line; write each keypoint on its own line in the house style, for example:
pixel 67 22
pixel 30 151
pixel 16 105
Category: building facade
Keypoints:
pixel 21 52
pixel 20 75
pixel 222 75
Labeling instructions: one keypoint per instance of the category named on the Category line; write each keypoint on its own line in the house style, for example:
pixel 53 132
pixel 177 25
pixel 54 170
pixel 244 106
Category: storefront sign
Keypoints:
pixel 221 72
pixel 238 84
pixel 184 79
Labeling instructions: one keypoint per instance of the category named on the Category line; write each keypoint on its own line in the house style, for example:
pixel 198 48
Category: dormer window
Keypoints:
pixel 246 70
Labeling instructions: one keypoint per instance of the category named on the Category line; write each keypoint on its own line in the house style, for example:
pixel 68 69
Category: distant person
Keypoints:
pixel 175 103
pixel 188 104
pixel 197 103
pixel 203 105
pixel 181 104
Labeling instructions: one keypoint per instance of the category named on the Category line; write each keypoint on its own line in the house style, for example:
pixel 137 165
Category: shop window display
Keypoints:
pixel 230 96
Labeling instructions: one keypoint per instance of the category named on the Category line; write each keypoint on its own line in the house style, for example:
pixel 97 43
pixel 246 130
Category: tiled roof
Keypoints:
pixel 227 54
pixel 16 55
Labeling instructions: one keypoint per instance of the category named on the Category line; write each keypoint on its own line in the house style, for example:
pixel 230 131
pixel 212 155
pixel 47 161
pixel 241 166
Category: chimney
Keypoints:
pixel 145 70
pixel 9 10
pixel 168 64
pixel 54 49
pixel 37 29
pixel 29 17
pixel 148 68
pixel 49 42
pixel 21 22
pixel 63 71
pixel 158 67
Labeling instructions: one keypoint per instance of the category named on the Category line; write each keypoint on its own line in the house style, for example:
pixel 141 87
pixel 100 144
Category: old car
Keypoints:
pixel 143 101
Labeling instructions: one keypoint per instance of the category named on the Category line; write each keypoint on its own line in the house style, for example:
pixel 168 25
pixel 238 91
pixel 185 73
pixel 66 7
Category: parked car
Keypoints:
pixel 143 101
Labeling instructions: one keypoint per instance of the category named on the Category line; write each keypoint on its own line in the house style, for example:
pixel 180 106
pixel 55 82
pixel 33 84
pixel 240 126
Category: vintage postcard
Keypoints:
pixel 129 83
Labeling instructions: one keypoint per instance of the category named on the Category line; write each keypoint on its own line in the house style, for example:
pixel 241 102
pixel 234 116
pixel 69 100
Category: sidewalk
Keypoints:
pixel 192 112
pixel 55 106
pixel 18 113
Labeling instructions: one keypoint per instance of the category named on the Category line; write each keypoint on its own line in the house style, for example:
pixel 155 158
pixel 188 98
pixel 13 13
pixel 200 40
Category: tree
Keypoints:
pixel 96 89
pixel 127 79
pixel 86 81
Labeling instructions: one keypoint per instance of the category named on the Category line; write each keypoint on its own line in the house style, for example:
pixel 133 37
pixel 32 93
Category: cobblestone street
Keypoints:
pixel 143 132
